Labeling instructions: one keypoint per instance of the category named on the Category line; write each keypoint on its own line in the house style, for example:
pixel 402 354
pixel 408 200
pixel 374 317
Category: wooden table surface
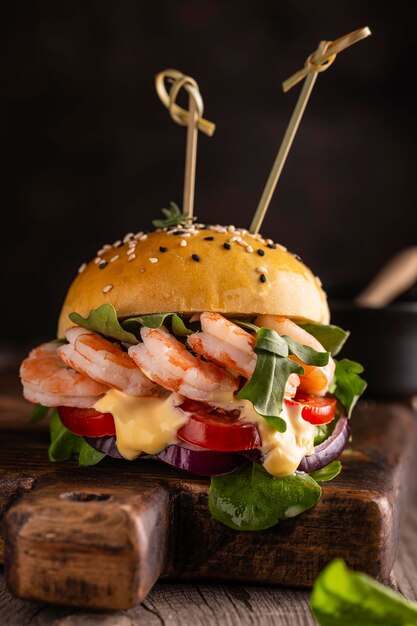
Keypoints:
pixel 171 604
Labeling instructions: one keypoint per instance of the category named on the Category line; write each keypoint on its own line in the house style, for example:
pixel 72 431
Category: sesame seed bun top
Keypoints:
pixel 190 270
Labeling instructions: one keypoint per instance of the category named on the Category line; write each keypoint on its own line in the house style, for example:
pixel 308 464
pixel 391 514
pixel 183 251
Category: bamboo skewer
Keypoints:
pixel 317 62
pixel 192 118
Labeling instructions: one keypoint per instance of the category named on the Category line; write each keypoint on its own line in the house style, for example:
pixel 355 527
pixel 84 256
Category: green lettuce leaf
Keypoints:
pixel 156 320
pixel 331 337
pixel 342 597
pixel 327 473
pixel 348 386
pixel 173 217
pixel 39 412
pixel 246 325
pixel 252 499
pixel 104 320
pixel 64 445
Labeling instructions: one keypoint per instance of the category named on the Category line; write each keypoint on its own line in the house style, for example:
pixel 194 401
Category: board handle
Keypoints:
pixel 99 548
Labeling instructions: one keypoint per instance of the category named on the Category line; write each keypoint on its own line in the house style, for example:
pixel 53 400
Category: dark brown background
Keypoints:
pixel 89 153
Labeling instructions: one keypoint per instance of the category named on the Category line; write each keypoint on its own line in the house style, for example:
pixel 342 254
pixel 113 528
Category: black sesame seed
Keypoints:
pixel 195 257
pixel 261 252
pixel 227 246
pixel 271 245
pixel 162 249
pixel 208 238
pixel 178 232
pixel 101 266
pixel 262 278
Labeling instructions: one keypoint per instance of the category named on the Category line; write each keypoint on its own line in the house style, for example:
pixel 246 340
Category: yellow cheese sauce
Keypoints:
pixel 283 451
pixel 143 424
pixel 150 425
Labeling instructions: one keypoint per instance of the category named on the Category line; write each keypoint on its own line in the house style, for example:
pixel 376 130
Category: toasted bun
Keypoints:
pixel 219 269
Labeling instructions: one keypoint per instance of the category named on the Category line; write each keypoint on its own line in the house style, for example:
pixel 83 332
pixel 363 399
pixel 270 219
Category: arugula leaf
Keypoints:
pixel 39 412
pixel 173 217
pixel 65 444
pixel 267 386
pixel 348 386
pixel 327 473
pixel 307 355
pixel 252 499
pixel 104 320
pixel 246 325
pixel 331 337
pixel 342 597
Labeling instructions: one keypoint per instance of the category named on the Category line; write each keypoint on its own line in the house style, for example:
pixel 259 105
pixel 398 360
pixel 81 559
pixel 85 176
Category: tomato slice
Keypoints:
pixel 316 409
pixel 87 422
pixel 215 429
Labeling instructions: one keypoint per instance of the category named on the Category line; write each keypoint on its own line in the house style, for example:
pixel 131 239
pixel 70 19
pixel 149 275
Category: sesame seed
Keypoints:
pixel 130 250
pixel 106 246
pixel 117 243
pixel 82 268
pixel 262 278
pixel 231 229
pixel 195 257
pixel 208 238
pixel 261 252
pixel 138 235
pixel 227 246
pixel 100 252
pixel 127 237
pixel 262 270
pixel 319 281
pixel 102 265
pixel 162 249
pixel 107 288
pixel 297 257
pixel 143 237
pixel 132 257
pixel 249 249
pixel 153 260
pixel 271 245
pixel 98 259
pixel 183 243
pixel 114 258
pixel 242 243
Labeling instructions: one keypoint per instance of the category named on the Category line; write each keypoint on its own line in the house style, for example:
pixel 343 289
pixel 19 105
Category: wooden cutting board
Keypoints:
pixel 101 537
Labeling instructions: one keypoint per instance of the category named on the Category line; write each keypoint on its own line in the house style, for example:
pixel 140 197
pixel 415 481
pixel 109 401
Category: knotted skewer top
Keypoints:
pixel 181 116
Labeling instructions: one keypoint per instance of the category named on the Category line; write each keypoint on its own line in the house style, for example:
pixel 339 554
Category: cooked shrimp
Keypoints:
pixel 166 361
pixel 228 345
pixel 47 380
pixel 104 361
pixel 316 379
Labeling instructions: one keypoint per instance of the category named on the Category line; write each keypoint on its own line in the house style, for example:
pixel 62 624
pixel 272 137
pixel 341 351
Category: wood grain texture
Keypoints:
pixel 356 519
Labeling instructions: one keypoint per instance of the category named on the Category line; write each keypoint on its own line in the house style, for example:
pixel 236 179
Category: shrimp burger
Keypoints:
pixel 209 349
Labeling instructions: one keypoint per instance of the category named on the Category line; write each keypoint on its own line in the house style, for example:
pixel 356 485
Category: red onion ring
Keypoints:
pixel 200 461
pixel 329 450
pixel 106 444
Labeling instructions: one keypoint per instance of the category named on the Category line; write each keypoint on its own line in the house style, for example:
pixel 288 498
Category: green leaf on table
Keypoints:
pixel 252 499
pixel 342 597
pixel 327 473
pixel 39 412
pixel 266 388
pixel 348 386
pixel 104 320
pixel 64 445
pixel 331 337
pixel 173 217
